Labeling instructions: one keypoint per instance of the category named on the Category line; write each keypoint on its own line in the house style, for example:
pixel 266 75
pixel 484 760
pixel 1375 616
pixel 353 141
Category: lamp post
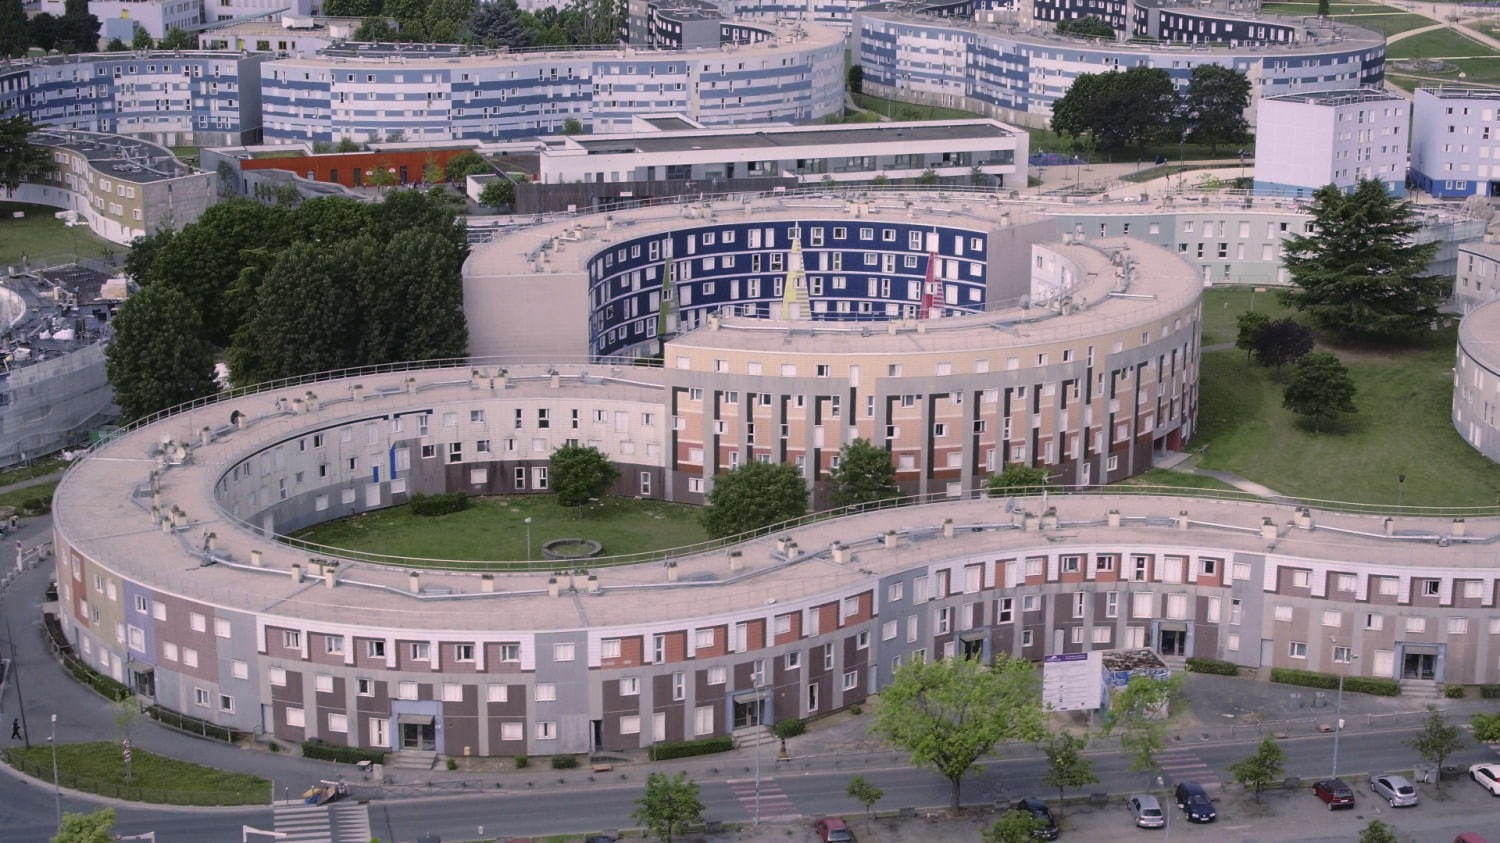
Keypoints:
pixel 1338 710
pixel 528 538
pixel 1166 798
pixel 1400 489
pixel 757 756
pixel 56 788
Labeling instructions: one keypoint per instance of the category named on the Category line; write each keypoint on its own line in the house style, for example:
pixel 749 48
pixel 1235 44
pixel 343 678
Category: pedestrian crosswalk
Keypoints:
pixel 774 803
pixel 1185 765
pixel 344 822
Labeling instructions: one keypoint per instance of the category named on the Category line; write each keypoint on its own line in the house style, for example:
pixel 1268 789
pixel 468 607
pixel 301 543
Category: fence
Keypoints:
pixel 42 769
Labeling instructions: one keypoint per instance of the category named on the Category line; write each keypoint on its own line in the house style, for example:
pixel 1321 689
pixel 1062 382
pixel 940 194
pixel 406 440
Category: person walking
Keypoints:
pixel 15 728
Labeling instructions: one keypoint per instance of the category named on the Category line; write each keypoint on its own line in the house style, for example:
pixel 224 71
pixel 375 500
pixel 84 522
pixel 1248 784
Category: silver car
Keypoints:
pixel 1146 810
pixel 1395 790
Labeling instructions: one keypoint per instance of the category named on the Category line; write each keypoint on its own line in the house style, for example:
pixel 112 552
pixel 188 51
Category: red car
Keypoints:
pixel 833 830
pixel 1334 792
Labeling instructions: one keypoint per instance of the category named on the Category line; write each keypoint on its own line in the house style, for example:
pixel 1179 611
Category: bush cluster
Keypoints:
pixel 439 504
pixel 192 725
pixel 1199 664
pixel 103 685
pixel 315 748
pixel 685 749
pixel 1354 684
pixel 1453 692
pixel 564 762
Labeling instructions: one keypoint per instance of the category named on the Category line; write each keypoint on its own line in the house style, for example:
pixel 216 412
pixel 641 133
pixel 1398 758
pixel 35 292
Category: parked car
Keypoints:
pixel 1038 810
pixel 1334 792
pixel 1194 802
pixel 1470 837
pixel 1488 776
pixel 1146 811
pixel 833 830
pixel 1396 790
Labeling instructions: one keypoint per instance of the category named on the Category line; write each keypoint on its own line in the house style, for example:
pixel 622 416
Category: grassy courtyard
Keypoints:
pixel 98 767
pixel 494 528
pixel 1438 43
pixel 39 235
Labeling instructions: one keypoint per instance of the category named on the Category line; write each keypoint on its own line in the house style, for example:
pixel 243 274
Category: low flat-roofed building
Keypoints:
pixel 1307 140
pixel 287 34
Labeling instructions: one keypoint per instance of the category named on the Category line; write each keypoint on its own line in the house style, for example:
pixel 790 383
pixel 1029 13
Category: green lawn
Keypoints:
pixel 905 111
pixel 1176 479
pixel 1439 43
pixel 1223 305
pixel 38 235
pixel 1335 9
pixel 494 529
pixel 98 767
pixel 16 497
pixel 1388 24
pixel 46 465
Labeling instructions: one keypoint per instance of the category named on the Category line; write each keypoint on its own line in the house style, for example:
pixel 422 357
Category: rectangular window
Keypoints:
pixel 562 652
pixel 546 730
pixel 463 652
pixel 294 716
pixel 609 648
pixel 375 649
pixel 323 683
pixel 1297 649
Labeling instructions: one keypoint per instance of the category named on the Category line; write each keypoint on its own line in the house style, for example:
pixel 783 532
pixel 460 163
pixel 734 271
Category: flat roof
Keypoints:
pixel 796 136
pixel 670 124
pixel 120 157
pixel 1461 93
pixel 1334 98
pixel 1480 247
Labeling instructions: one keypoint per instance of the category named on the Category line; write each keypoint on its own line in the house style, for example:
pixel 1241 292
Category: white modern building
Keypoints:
pixel 287 34
pixel 950 149
pixel 1455 146
pixel 1308 140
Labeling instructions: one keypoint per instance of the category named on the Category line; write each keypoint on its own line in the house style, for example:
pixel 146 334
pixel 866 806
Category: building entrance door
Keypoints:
pixel 1419 666
pixel 419 736
pixel 1173 642
pixel 746 714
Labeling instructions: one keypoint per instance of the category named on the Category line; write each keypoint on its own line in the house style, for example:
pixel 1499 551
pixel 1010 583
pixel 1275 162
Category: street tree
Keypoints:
pixel 1360 272
pixel 97 827
pixel 1437 740
pixel 431 172
pixel 1249 325
pixel 1067 766
pixel 668 805
pixel 1117 110
pixel 1261 767
pixel 947 714
pixel 1377 831
pixel 158 358
pixel 1014 826
pixel 466 164
pixel 754 496
pixel 1320 390
pixel 498 193
pixel 1282 341
pixel 579 474
pixel 1486 727
pixel 20 159
pixel 866 794
pixel 126 713
pixel 865 475
pixel 1138 714
pixel 1323 8
pixel 1016 476
pixel 1214 105
pixel 787 728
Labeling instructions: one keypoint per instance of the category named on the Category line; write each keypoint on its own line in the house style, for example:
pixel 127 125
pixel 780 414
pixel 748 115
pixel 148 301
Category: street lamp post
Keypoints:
pixel 528 538
pixel 56 788
pixel 757 758
pixel 1166 798
pixel 1338 711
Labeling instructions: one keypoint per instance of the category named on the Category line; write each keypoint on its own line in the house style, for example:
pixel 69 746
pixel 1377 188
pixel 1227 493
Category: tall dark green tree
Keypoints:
pixel 351 8
pixel 140 39
pixel 78 31
pixel 466 164
pixel 1281 341
pixel 579 474
pixel 143 252
pixel 1360 271
pixel 411 299
pixel 1215 104
pixel 158 358
pixel 865 474
pixel 753 496
pixel 498 24
pixel 376 29
pixel 1320 390
pixel 1118 109
pixel 1248 327
pixel 20 159
pixel 1088 26
pixel 13 40
pixel 307 315
pixel 44 30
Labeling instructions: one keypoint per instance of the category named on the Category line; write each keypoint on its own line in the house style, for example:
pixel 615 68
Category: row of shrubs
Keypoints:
pixel 1489 692
pixel 193 725
pixel 439 504
pixel 1198 664
pixel 103 685
pixel 1355 684
pixel 315 748
pixel 685 749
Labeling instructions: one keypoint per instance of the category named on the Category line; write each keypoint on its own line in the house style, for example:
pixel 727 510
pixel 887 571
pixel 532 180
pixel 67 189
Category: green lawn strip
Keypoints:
pixel 39 235
pixel 1223 305
pixel 98 767
pixel 494 528
pixel 1177 479
pixel 1406 83
pixel 48 465
pixel 1439 43
pixel 1388 24
pixel 1311 9
pixel 16 497
pixel 1402 427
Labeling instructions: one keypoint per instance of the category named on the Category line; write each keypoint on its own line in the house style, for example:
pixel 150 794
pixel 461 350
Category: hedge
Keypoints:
pixel 102 685
pixel 1489 692
pixel 439 504
pixel 193 725
pixel 1353 684
pixel 684 749
pixel 1218 666
pixel 315 748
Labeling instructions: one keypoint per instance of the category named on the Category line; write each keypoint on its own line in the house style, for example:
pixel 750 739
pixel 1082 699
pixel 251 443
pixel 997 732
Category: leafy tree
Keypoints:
pixel 20 159
pixel 866 794
pixel 1016 475
pixel 45 30
pixel 115 45
pixel 347 145
pixel 1376 831
pixel 431 172
pixel 178 39
pixel 498 193
pixel 307 313
pixel 1250 324
pixel 499 24
pixel 787 728
pixel 1261 767
pixel 1360 273
pixel 1014 826
pixel 1137 713
pixel 140 39
pixel 929 176
pixel 97 827
pixel 755 495
pixel 1088 26
pixel 381 176
pixel 668 805
pixel 571 126
pixel 12 28
pixel 854 79
pixel 466 164
pixel 375 29
pixel 1486 728
pixel 1067 766
pixel 1215 105
pixel 77 30
pixel 158 358
pixel 1282 341
pixel 865 475
pixel 1437 740
pixel 1320 389
pixel 579 474
pixel 1117 110
pixel 412 302
pixel 1323 8
pixel 351 8
pixel 446 20
pixel 948 714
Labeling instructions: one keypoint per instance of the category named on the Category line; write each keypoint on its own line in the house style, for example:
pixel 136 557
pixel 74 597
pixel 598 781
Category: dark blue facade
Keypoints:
pixel 855 269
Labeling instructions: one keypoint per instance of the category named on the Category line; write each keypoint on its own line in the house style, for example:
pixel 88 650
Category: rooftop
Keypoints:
pixel 1336 98
pixel 120 157
pixel 793 136
pixel 1461 93
pixel 1484 248
pixel 50 314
